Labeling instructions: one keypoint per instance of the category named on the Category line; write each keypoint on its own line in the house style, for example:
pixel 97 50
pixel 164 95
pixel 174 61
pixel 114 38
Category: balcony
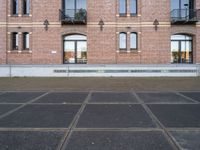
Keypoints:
pixel 73 16
pixel 185 16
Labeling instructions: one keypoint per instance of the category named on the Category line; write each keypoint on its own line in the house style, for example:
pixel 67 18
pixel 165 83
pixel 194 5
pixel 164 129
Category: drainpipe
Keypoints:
pixel 6 32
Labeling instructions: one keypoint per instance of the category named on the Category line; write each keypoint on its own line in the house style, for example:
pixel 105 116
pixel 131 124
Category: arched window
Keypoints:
pixel 181 48
pixel 122 7
pixel 133 41
pixel 123 41
pixel 75 49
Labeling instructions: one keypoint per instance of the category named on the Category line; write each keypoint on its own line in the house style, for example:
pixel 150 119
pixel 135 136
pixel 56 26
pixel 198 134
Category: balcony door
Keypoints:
pixel 183 9
pixel 71 7
pixel 181 49
pixel 75 49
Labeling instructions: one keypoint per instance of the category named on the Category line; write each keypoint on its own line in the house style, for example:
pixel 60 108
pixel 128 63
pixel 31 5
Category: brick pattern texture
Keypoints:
pixel 153 47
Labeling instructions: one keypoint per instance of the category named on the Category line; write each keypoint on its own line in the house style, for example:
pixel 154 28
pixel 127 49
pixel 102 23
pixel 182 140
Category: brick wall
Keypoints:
pixel 103 46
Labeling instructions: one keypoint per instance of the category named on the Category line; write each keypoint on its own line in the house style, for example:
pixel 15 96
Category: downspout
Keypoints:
pixel 6 32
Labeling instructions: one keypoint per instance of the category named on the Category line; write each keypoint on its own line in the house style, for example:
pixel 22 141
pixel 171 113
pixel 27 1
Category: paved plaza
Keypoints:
pixel 99 120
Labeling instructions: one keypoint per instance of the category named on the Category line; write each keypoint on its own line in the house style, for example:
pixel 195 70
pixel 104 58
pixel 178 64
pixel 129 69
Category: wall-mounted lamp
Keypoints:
pixel 101 24
pixel 46 24
pixel 156 23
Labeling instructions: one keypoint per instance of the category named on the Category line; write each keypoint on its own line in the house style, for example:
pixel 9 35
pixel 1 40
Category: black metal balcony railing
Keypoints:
pixel 73 16
pixel 185 16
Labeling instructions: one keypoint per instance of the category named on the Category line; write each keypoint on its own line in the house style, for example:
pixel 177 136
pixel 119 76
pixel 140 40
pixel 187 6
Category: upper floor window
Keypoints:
pixel 15 7
pixel 15 41
pixel 122 7
pixel 122 40
pixel 133 41
pixel 73 7
pixel 133 7
pixel 26 40
pixel 26 7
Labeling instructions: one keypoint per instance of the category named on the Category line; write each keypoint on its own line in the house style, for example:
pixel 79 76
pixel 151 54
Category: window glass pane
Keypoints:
pixel 181 37
pixel 174 4
pixel 122 41
pixel 75 37
pixel 122 6
pixel 81 52
pixel 133 6
pixel 186 50
pixel 15 42
pixel 69 52
pixel 133 41
pixel 27 6
pixel 69 8
pixel 80 4
pixel 174 52
pixel 15 7
pixel 26 41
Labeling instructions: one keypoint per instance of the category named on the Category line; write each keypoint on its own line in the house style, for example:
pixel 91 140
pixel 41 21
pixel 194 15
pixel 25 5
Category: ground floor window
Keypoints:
pixel 15 41
pixel 75 49
pixel 181 49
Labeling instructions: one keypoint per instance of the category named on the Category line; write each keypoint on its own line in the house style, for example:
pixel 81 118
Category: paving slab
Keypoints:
pixel 30 140
pixel 112 97
pixel 7 108
pixel 177 115
pixel 41 116
pixel 116 140
pixel 188 140
pixel 62 97
pixel 18 97
pixel 193 95
pixel 162 97
pixel 114 116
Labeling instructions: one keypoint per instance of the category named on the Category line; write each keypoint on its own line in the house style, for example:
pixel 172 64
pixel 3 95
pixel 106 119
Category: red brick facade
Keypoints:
pixel 154 47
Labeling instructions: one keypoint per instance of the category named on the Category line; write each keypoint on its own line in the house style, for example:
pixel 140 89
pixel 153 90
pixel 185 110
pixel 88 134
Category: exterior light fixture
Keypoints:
pixel 156 23
pixel 101 24
pixel 46 24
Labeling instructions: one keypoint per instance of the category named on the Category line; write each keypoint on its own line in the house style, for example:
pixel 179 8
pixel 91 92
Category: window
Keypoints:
pixel 122 41
pixel 26 40
pixel 75 49
pixel 15 42
pixel 72 7
pixel 15 7
pixel 182 10
pixel 133 41
pixel 133 7
pixel 181 49
pixel 26 7
pixel 122 7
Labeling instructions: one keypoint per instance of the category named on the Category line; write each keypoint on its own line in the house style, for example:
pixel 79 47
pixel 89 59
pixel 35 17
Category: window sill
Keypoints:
pixel 122 15
pixel 20 51
pixel 134 15
pixel 122 51
pixel 14 15
pixel 26 15
pixel 26 51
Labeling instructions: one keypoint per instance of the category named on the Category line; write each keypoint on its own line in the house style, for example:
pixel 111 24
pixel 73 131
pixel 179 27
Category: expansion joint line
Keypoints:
pixel 175 145
pixel 21 106
pixel 66 137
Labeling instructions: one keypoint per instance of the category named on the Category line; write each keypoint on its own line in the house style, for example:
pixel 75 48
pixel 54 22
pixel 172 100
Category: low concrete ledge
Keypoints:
pixel 100 70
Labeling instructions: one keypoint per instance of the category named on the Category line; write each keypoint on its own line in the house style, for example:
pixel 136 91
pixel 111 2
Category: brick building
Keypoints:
pixel 99 31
